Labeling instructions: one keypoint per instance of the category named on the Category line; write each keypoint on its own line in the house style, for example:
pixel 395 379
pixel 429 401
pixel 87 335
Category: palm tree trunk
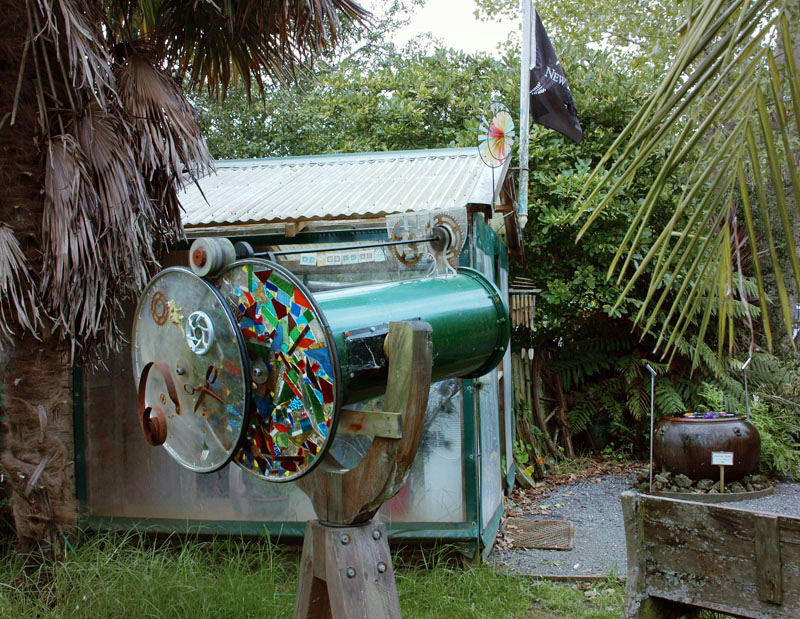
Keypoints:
pixel 35 376
pixel 38 454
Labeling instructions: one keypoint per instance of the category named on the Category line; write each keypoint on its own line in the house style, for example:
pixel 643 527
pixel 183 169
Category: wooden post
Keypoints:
pixel 346 571
pixel 769 568
pixel 638 602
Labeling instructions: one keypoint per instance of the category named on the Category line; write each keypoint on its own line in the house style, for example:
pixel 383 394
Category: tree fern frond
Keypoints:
pixel 668 400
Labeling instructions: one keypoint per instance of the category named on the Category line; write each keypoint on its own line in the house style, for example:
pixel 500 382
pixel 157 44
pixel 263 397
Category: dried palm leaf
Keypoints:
pixel 167 139
pixel 81 61
pixel 17 290
pixel 119 139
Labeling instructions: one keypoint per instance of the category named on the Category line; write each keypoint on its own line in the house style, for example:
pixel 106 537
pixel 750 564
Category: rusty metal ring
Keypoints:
pixel 159 308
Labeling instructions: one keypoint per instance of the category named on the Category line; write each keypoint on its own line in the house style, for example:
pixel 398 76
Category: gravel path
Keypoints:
pixel 594 508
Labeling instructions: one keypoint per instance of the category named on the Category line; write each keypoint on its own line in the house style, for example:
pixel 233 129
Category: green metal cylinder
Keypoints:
pixel 470 320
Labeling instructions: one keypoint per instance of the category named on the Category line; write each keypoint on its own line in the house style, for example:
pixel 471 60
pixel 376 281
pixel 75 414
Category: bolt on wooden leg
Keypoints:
pixel 346 573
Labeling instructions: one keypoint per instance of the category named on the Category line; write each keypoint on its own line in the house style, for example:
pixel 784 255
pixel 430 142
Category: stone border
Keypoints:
pixel 717 498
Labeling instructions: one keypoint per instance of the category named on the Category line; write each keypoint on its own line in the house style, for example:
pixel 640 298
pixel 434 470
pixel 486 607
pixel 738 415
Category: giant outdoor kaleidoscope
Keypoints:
pixel 237 361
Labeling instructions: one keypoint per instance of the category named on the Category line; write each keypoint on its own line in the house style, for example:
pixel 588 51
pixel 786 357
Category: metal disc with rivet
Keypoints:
pixel 189 353
pixel 294 367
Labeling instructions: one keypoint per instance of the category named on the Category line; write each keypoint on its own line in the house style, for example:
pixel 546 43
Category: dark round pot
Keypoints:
pixel 684 445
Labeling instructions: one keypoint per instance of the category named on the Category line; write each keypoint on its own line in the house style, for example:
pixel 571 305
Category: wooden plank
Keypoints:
pixel 311 601
pixel 293 228
pixel 361 581
pixel 636 586
pixel 346 573
pixel 371 423
pixel 768 560
pixel 701 527
pixel 740 599
pixel 715 557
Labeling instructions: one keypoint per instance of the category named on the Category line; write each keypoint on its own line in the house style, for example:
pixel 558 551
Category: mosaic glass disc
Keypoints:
pixel 294 370
pixel 183 321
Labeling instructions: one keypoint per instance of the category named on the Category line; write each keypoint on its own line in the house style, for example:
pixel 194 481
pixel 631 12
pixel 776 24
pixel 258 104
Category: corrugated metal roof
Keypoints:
pixel 339 186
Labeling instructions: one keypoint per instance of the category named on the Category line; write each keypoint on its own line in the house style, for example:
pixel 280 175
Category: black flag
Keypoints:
pixel 552 104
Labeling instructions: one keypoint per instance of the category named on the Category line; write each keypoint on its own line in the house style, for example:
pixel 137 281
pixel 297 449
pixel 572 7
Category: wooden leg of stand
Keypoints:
pixel 312 600
pixel 346 573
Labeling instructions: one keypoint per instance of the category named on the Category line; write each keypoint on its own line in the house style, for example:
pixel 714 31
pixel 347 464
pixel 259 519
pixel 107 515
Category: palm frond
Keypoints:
pixel 218 43
pixel 17 290
pixel 721 115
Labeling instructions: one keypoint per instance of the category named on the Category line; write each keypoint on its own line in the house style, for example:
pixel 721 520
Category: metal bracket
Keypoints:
pixel 365 348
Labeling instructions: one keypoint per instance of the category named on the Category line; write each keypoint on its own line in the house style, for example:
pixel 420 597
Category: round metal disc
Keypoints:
pixel 295 375
pixel 183 321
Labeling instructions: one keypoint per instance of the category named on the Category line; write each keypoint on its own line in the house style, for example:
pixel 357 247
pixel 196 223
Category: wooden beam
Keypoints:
pixel 371 423
pixel 293 228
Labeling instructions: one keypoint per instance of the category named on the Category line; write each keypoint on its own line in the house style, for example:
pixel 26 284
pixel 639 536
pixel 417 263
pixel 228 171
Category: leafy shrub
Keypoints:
pixel 779 428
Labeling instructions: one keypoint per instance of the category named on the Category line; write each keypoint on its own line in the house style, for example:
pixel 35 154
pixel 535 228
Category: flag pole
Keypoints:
pixel 528 32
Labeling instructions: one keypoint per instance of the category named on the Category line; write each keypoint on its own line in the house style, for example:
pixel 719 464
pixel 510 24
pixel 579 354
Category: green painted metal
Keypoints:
pixel 469 439
pixel 489 531
pixel 511 477
pixel 470 320
pixel 78 434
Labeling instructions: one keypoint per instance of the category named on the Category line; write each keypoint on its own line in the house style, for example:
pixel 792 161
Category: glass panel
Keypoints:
pixel 435 488
pixel 491 481
pixel 489 414
pixel 125 477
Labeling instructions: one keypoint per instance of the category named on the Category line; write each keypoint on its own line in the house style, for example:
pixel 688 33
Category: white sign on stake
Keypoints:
pixel 722 458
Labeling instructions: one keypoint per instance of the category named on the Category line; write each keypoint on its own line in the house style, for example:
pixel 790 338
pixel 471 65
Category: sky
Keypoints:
pixel 454 22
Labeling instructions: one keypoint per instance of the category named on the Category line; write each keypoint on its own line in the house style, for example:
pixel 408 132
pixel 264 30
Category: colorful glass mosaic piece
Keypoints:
pixel 295 403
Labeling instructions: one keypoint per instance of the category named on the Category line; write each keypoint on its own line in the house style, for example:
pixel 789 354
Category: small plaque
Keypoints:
pixel 722 458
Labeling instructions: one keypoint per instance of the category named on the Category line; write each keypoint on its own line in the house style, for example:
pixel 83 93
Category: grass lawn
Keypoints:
pixel 110 575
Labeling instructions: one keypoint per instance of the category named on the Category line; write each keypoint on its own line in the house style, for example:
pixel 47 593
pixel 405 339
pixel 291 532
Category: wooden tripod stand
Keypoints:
pixel 346 568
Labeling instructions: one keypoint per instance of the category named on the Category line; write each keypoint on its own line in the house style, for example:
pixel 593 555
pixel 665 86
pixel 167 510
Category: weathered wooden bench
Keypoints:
pixel 683 556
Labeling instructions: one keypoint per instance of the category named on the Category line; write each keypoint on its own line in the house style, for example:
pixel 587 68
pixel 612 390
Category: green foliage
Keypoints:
pixel 576 297
pixel 521 452
pixel 713 397
pixel 640 38
pixel 779 428
pixel 380 99
pixel 608 387
pixel 725 112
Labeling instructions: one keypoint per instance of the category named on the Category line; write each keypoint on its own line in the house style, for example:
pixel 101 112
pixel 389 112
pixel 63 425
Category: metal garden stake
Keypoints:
pixel 746 393
pixel 652 418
